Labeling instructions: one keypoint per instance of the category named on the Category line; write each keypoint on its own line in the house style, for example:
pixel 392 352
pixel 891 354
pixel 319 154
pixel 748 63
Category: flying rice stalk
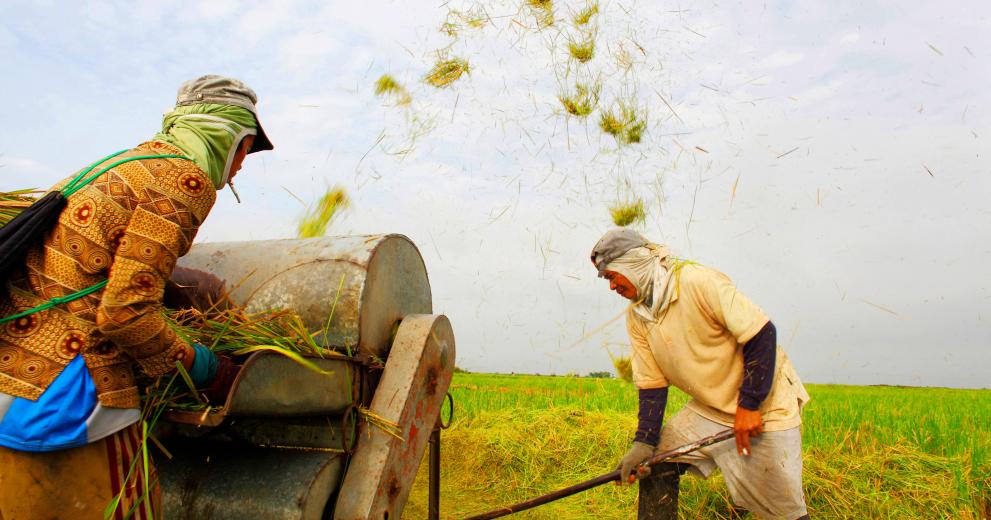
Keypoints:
pixel 543 11
pixel 624 367
pixel 446 71
pixel 582 50
pixel 626 213
pixel 314 223
pixel 387 86
pixel 585 15
pixel 583 101
pixel 623 58
pixel 476 18
pixel 456 21
pixel 625 124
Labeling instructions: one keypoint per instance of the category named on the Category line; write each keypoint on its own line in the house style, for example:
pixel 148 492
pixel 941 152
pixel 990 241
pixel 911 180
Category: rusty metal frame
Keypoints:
pixel 410 393
pixel 433 502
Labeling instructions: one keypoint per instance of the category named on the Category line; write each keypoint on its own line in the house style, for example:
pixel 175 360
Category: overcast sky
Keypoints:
pixel 830 157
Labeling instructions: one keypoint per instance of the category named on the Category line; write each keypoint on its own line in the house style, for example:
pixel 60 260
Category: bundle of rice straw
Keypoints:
pixel 314 223
pixel 582 49
pixel 387 85
pixel 624 367
pixel 237 333
pixel 626 124
pixel 583 101
pixel 626 213
pixel 585 15
pixel 13 202
pixel 446 71
pixel 543 11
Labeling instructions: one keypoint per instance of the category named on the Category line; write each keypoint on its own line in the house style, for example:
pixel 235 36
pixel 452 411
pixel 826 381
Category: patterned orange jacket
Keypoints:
pixel 128 227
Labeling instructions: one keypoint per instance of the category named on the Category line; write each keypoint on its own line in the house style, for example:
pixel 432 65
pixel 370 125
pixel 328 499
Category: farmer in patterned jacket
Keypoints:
pixel 69 406
pixel 690 327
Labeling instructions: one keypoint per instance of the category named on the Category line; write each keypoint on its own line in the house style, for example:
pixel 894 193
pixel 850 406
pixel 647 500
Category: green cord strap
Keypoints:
pixel 72 185
pixel 81 180
pixel 57 301
pixel 76 184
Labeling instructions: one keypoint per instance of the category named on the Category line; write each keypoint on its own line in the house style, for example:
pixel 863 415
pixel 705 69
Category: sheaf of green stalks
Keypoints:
pixel 626 213
pixel 388 86
pixel 446 71
pixel 585 15
pixel 237 333
pixel 582 50
pixel 314 223
pixel 233 330
pixel 583 101
pixel 626 124
pixel 13 202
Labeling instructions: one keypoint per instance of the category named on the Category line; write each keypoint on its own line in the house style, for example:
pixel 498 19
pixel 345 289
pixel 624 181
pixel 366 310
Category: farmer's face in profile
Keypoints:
pixel 621 285
pixel 242 151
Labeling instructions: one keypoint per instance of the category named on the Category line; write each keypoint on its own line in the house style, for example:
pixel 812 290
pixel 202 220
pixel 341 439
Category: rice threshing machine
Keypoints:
pixel 287 443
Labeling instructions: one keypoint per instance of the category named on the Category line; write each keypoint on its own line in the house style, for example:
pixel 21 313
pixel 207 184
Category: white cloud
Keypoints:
pixel 216 8
pixel 264 19
pixel 781 59
pixel 305 52
pixel 819 92
pixel 850 38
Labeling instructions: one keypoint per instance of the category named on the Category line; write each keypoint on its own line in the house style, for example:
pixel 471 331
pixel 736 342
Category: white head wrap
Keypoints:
pixel 644 268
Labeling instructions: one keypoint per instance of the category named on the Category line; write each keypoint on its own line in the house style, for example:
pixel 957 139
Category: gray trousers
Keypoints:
pixel 767 483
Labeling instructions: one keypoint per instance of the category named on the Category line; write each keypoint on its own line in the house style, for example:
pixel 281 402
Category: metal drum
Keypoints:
pixel 286 444
pixel 363 284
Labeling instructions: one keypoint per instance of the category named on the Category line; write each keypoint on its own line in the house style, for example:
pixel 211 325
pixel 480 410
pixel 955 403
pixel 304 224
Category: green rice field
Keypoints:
pixel 869 451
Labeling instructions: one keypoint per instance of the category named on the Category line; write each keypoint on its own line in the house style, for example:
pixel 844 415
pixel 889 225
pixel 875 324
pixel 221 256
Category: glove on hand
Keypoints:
pixel 223 380
pixel 638 453
pixel 212 373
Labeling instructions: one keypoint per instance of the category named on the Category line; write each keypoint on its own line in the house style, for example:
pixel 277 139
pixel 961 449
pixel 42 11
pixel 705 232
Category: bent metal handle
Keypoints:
pixel 602 479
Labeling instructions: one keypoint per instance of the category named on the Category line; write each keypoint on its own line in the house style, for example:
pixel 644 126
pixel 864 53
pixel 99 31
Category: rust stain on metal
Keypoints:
pixel 394 488
pixel 432 381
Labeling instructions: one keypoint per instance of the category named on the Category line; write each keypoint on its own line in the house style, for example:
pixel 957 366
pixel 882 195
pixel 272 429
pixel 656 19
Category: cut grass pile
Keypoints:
pixel 314 223
pixel 583 101
pixel 446 72
pixel 869 452
pixel 625 213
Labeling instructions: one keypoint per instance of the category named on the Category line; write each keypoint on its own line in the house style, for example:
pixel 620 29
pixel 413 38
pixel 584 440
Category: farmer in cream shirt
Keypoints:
pixel 689 327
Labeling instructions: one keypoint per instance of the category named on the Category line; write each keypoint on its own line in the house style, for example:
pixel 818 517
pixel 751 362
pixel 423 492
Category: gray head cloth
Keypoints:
pixel 614 244
pixel 221 90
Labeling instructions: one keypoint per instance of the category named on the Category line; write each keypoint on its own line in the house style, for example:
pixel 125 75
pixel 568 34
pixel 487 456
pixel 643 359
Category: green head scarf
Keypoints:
pixel 208 134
